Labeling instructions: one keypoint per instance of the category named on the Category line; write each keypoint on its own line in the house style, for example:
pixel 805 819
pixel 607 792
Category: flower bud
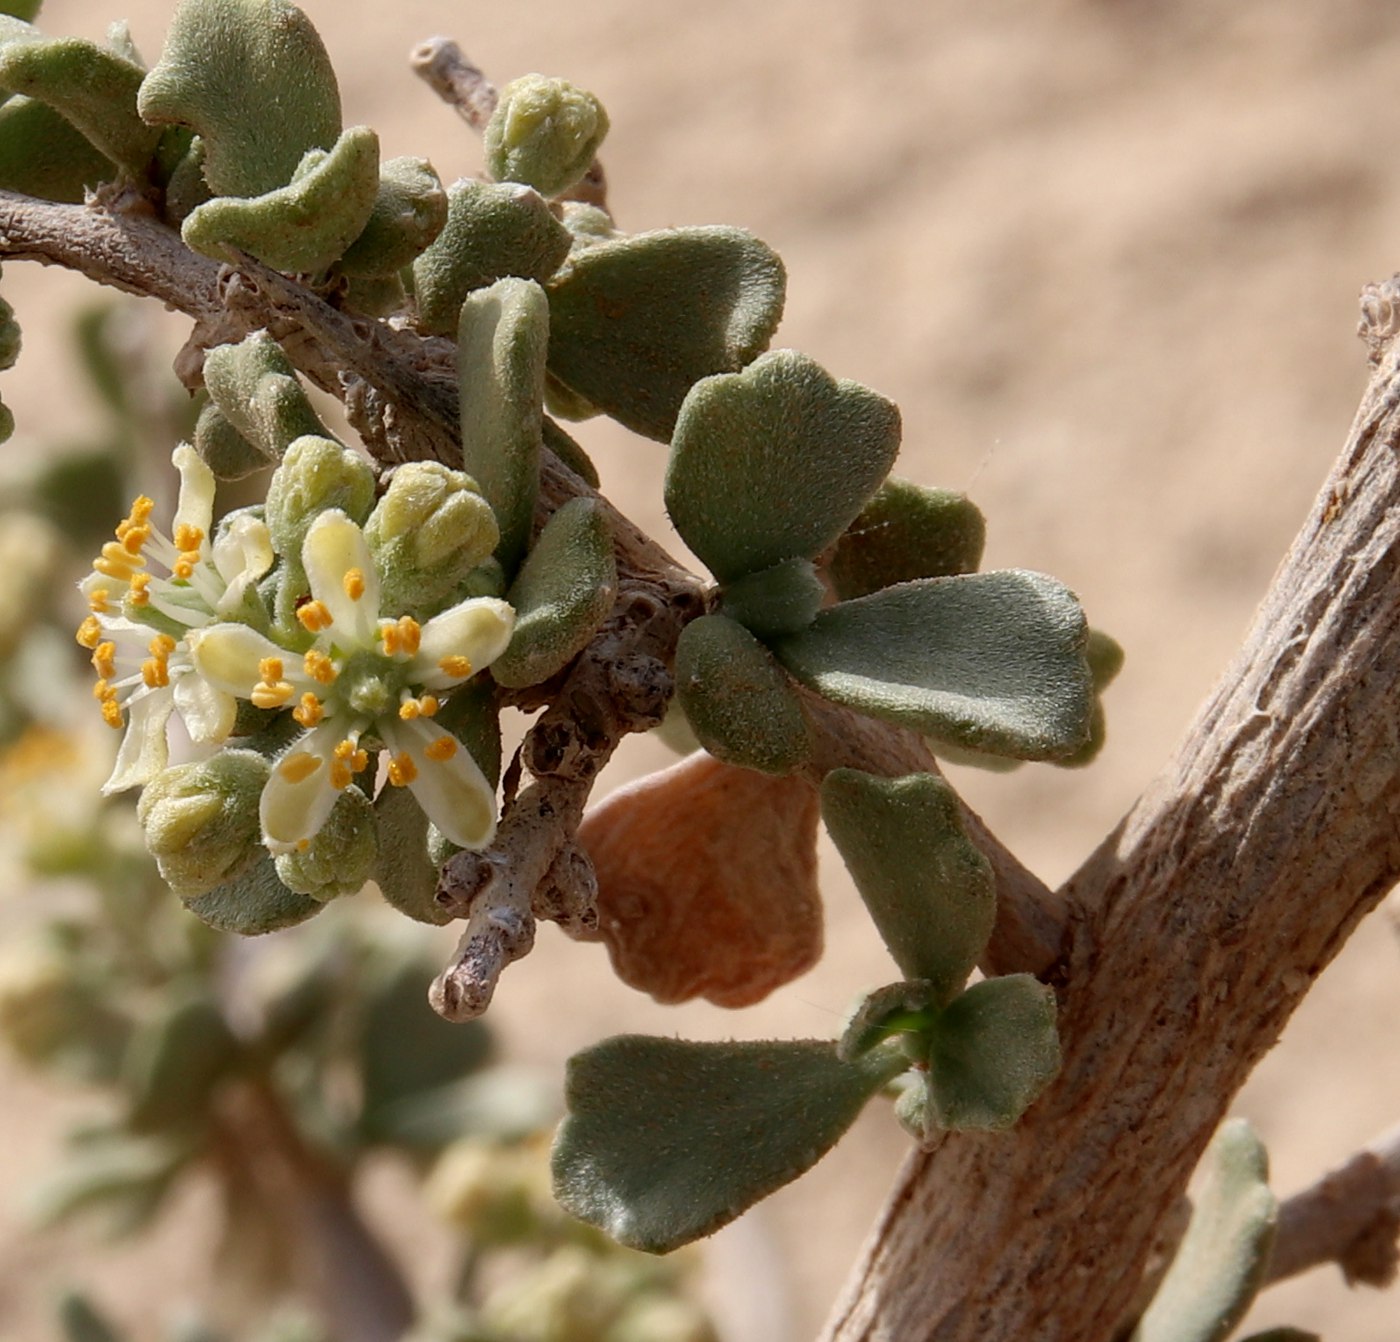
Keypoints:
pixel 428 532
pixel 315 474
pixel 341 855
pixel 201 820
pixel 36 1000
pixel 544 133
pixel 488 1191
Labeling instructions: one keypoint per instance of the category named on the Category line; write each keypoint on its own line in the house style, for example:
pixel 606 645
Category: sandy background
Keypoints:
pixel 1105 256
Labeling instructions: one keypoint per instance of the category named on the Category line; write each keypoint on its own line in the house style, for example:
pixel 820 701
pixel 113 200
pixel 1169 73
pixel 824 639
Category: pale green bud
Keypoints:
pixel 315 474
pixel 201 820
pixel 544 133
pixel 341 855
pixel 36 999
pixel 489 1191
pixel 430 529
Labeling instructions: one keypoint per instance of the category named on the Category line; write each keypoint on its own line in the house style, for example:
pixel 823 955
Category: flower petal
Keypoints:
pixel 228 656
pixel 143 752
pixel 196 503
pixel 477 629
pixel 299 794
pixel 243 550
pixel 446 782
pixel 333 554
pixel 208 712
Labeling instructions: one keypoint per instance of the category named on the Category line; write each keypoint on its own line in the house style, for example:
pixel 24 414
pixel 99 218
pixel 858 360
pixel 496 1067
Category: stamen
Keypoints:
pixel 315 616
pixel 99 599
pixel 341 776
pixel 104 660
pixel 349 753
pixel 442 749
pixel 410 709
pixel 89 633
pixel 388 635
pixel 402 771
pixel 299 766
pixel 188 538
pixel 137 594
pixel 270 669
pixel 141 508
pixel 111 713
pixel 271 696
pixel 162 645
pixel 309 711
pixel 428 705
pixel 354 583
pixel 103 691
pixel 133 541
pixel 456 666
pixel 319 667
pixel 410 634
pixel 155 673
pixel 183 568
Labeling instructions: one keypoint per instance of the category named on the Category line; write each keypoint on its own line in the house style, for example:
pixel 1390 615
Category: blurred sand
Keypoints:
pixel 1105 255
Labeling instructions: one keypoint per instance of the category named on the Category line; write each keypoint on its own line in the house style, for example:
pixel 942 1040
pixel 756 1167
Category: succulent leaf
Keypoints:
pixel 636 322
pixel 1221 1262
pixel 493 230
pixel 989 661
pixel 304 226
pixel 898 1008
pixel 501 344
pixel 1105 658
pixel 570 453
pixel 544 133
pixel 223 449
pixel 410 209
pixel 737 699
pixel 257 391
pixel 341 856
pixel 928 888
pixel 907 531
pixel 405 875
pixel 775 601
pixel 254 902
pixel 774 462
pixel 562 594
pixel 42 155
pixel 252 79
pixel 667 1140
pixel 992 1050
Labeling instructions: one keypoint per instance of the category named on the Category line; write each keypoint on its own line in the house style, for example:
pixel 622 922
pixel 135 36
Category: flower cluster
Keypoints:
pixel 186 626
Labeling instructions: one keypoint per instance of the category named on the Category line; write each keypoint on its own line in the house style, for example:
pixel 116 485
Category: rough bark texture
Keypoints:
pixel 1197 927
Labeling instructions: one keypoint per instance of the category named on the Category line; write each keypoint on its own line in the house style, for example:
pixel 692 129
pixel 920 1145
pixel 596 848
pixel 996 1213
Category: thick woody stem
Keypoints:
pixel 1198 927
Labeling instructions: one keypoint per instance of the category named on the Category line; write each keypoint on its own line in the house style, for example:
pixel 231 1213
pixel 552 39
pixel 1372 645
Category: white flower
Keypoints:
pixel 139 621
pixel 362 678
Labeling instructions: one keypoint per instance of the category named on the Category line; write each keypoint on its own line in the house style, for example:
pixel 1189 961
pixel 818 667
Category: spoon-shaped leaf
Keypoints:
pixel 667 1140
pixel 255 901
pixel 992 661
pixel 775 462
pixel 41 155
pixel 1221 1263
pixel 929 890
pixel 636 322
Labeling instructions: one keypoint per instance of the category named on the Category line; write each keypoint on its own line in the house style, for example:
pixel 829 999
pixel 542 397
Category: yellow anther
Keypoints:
pixel 141 508
pixel 137 593
pixel 428 705
pixel 402 771
pixel 103 691
pixel 112 568
pixel 410 709
pixel 89 633
pixel 341 776
pixel 104 660
pixel 315 616
pixel 303 845
pixel 188 538
pixel 456 666
pixel 162 645
pixel 299 766
pixel 354 583
pixel 359 760
pixel 183 568
pixel 111 713
pixel 271 670
pixel 344 750
pixel 319 667
pixel 388 635
pixel 410 634
pixel 309 711
pixel 155 673
pixel 442 749
pixel 271 696
pixel 100 600
pixel 134 539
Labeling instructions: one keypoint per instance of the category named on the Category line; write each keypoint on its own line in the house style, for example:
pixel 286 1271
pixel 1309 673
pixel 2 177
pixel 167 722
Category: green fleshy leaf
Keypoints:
pixel 907 531
pixel 81 1321
pixel 564 591
pixel 989 661
pixel 409 211
pixel 1224 1255
pixel 341 856
pixel 252 79
pixel 544 133
pixel 570 453
pixel 775 601
pixel 396 1011
pixel 668 1140
pixel 492 231
pixel 899 1008
pixel 501 1102
pixel 774 463
pixel 180 172
pixel 991 1052
pixel 1105 659
pixel 253 902
pixel 174 1061
pixel 471 715
pixel 636 322
pixel 405 875
pixel 928 888
pixel 375 295
pixel 737 699
pixel 42 156
pixel 223 449
pixel 257 390
pixel 25 10
pixel 7 423
pixel 91 87
pixel 302 227
pixel 501 343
